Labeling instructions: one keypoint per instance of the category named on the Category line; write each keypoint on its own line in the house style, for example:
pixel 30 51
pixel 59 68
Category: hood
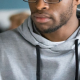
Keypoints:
pixel 26 30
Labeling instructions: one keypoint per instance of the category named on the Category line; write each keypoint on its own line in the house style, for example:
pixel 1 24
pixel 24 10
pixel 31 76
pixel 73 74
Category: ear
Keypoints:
pixel 77 2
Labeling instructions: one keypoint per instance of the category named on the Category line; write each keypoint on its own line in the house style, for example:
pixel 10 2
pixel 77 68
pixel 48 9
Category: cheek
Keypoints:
pixel 55 13
pixel 55 9
pixel 32 7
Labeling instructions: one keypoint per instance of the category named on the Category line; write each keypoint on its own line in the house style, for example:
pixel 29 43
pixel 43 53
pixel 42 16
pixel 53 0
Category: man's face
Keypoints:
pixel 50 17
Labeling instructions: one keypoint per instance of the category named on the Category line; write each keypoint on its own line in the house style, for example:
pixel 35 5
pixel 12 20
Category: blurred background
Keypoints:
pixel 10 8
pixel 14 12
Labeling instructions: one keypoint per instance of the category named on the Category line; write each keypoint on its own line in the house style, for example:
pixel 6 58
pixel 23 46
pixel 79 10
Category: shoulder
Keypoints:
pixel 9 37
pixel 10 40
pixel 9 34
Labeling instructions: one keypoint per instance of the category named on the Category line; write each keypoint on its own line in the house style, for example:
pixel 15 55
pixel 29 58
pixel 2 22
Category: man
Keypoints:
pixel 46 46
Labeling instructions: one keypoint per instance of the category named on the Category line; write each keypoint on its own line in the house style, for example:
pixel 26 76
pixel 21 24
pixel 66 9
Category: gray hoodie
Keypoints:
pixel 25 55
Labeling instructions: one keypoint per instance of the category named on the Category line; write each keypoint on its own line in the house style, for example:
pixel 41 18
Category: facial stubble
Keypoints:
pixel 64 18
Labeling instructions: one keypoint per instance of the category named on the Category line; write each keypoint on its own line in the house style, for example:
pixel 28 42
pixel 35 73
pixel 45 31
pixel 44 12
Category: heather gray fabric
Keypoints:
pixel 18 55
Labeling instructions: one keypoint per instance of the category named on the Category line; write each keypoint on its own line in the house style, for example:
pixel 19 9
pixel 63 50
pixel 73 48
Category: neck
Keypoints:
pixel 64 32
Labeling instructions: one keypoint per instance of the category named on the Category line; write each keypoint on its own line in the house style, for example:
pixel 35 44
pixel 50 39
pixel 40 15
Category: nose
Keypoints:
pixel 40 5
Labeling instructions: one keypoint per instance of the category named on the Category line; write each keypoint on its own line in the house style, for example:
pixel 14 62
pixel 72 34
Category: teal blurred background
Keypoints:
pixel 13 4
pixel 79 6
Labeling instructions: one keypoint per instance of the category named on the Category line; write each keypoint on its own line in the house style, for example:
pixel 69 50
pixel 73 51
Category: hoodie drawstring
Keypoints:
pixel 76 60
pixel 38 62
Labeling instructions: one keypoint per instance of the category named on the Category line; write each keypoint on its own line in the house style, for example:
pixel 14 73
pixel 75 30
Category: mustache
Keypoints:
pixel 46 14
pixel 40 12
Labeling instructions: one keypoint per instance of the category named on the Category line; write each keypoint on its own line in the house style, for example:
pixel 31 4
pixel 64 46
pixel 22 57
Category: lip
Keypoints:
pixel 41 18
